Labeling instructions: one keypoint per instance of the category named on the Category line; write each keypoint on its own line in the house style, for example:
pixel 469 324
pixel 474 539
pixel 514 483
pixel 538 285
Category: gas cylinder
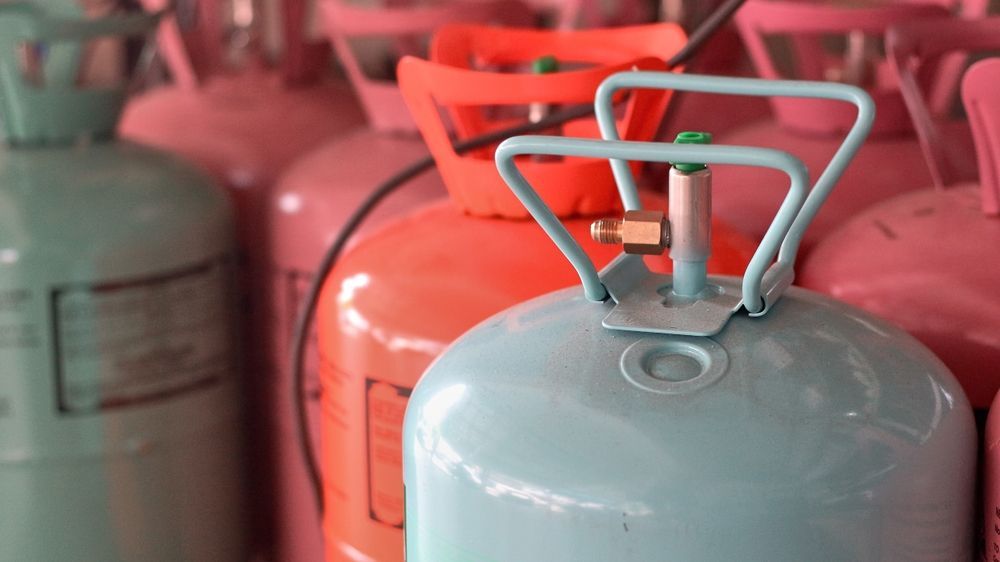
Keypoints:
pixel 120 433
pixel 237 115
pixel 722 55
pixel 306 209
pixel 572 14
pixel 244 118
pixel 685 416
pixel 810 127
pixel 378 318
pixel 934 275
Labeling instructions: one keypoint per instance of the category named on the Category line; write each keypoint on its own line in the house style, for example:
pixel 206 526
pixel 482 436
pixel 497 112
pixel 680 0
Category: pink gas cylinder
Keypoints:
pixel 244 125
pixel 926 259
pixel 787 37
pixel 600 13
pixel 573 14
pixel 306 209
pixel 722 55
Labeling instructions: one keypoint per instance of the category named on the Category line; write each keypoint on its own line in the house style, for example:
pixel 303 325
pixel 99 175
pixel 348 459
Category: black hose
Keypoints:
pixel 307 308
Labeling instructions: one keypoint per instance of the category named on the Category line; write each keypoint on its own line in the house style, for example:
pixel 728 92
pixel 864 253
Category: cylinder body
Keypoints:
pixel 926 259
pixel 251 127
pixel 306 210
pixel 383 321
pixel 121 431
pixel 817 432
pixel 753 195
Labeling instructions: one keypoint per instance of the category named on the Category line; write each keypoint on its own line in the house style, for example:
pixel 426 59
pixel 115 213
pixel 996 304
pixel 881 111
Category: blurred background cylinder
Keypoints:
pixel 120 418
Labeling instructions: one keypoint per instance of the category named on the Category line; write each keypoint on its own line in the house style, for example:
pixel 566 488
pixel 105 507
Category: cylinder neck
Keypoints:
pixel 690 216
pixel 690 219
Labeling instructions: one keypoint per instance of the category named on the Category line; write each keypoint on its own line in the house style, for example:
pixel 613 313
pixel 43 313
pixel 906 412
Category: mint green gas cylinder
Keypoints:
pixel 119 419
pixel 687 418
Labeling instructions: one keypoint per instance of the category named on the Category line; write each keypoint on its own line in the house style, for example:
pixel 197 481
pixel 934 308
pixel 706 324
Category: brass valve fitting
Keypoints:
pixel 639 232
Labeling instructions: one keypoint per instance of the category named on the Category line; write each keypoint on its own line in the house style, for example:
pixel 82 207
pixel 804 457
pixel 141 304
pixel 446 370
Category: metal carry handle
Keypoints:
pixel 23 21
pixel 60 109
pixel 775 278
pixel 640 151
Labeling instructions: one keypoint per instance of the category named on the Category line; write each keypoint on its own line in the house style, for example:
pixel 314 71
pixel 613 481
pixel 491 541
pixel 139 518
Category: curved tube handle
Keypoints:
pixel 60 108
pixel 779 275
pixel 649 152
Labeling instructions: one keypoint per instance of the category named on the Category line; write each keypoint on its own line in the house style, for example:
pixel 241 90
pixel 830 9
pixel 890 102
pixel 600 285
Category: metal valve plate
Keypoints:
pixel 644 303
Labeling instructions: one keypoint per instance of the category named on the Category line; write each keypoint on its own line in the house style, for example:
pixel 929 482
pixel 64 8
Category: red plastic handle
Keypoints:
pixel 574 186
pixel 381 99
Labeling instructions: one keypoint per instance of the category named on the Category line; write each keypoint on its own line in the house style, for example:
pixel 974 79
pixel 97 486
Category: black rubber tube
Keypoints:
pixel 307 309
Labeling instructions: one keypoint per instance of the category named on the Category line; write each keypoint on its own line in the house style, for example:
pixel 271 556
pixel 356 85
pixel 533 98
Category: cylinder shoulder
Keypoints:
pixel 91 199
pixel 793 395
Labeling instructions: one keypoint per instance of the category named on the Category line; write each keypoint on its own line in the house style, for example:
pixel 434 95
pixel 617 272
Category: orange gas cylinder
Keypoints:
pixel 404 293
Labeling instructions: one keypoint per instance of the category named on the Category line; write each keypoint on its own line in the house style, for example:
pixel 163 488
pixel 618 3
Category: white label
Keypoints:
pixel 140 340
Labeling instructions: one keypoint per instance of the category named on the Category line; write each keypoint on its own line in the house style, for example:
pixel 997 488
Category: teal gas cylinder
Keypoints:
pixel 119 419
pixel 688 418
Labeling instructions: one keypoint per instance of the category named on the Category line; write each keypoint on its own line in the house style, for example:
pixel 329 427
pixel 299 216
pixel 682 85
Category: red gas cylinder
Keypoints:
pixel 404 293
pixel 306 209
pixel 926 260
pixel 243 125
pixel 790 38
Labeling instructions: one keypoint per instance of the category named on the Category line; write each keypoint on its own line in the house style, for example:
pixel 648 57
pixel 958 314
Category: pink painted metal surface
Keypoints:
pixel 242 127
pixel 804 25
pixel 926 260
pixel 812 129
pixel 881 169
pixel 723 55
pixel 914 50
pixel 305 211
pixel 575 14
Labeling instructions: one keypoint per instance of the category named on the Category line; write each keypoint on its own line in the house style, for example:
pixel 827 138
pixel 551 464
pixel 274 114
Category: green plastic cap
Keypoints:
pixel 692 137
pixel 545 65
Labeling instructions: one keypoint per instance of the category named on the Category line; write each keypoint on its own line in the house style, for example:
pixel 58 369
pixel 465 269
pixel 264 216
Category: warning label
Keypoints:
pixel 385 405
pixel 123 343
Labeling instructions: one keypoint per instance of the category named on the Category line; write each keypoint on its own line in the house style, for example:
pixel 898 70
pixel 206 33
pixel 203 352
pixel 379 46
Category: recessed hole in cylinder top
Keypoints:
pixel 672 366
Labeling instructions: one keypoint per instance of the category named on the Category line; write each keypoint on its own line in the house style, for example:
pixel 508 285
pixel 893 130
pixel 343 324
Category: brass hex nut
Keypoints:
pixel 645 232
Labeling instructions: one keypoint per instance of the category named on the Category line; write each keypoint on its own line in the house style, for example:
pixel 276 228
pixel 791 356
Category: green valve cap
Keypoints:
pixel 545 65
pixel 692 137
